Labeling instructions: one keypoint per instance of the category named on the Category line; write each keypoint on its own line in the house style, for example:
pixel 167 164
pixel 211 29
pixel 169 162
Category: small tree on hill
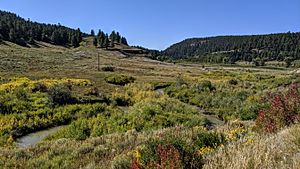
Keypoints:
pixel 92 32
pixel 124 41
pixel 74 41
pixel 101 38
pixel 95 42
pixel 112 38
pixel 106 41
pixel 118 37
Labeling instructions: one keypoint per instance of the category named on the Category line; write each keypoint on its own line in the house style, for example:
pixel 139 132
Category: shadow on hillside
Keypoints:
pixel 35 45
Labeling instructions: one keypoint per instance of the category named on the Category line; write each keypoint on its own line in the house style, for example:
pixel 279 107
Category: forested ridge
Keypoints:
pixel 18 30
pixel 229 49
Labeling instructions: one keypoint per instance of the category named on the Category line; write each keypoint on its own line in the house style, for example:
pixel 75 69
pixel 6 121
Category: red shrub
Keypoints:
pixel 136 165
pixel 283 110
pixel 169 158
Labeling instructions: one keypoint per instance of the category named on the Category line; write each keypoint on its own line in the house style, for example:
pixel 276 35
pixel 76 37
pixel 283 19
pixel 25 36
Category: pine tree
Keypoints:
pixel 101 37
pixel 106 41
pixel 78 35
pixel 95 41
pixel 74 41
pixel 112 38
pixel 124 41
pixel 118 37
pixel 55 37
pixel 92 32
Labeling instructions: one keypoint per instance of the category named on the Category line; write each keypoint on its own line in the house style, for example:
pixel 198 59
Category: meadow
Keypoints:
pixel 133 112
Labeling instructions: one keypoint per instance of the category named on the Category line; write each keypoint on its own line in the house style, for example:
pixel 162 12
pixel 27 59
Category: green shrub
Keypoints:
pixel 205 85
pixel 233 82
pixel 39 87
pixel 78 130
pixel 162 113
pixel 121 162
pixel 60 95
pixel 212 140
pixel 119 79
pixel 94 91
pixel 121 101
pixel 108 69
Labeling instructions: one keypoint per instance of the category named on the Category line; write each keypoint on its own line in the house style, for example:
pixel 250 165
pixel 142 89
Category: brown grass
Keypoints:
pixel 275 151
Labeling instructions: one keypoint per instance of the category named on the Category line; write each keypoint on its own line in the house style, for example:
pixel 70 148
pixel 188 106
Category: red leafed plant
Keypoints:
pixel 284 110
pixel 136 165
pixel 169 158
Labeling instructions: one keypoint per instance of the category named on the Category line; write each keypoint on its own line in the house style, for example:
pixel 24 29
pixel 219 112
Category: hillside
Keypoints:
pixel 230 49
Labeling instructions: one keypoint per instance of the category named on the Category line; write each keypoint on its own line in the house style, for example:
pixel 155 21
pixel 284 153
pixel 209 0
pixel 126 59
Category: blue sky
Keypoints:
pixel 159 23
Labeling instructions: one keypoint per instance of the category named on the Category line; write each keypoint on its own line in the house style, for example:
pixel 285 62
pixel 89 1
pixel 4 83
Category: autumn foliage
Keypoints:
pixel 283 110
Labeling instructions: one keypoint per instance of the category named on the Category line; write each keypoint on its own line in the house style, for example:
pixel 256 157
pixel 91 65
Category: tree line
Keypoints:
pixel 103 40
pixel 20 31
pixel 229 49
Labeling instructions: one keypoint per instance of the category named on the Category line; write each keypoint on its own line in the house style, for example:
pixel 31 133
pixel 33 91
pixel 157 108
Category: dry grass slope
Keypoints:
pixel 270 152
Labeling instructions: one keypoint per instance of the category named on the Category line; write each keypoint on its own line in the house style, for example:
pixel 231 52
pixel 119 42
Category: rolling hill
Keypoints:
pixel 230 49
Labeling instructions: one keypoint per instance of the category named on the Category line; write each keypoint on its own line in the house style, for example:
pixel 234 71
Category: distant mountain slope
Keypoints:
pixel 230 49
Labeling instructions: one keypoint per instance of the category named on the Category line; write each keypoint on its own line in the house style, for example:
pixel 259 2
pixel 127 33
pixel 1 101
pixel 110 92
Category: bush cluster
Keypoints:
pixel 283 110
pixel 175 151
pixel 121 80
pixel 108 69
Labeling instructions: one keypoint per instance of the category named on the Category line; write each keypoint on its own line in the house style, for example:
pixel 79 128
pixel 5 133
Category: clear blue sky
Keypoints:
pixel 160 23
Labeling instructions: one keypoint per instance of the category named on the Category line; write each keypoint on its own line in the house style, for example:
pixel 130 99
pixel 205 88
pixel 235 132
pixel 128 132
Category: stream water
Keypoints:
pixel 33 138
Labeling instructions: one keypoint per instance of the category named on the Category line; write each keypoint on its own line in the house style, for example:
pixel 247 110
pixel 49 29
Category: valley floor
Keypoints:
pixel 133 112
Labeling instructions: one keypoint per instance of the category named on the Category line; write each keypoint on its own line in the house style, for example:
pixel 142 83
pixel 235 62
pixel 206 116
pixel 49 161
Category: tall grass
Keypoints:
pixel 272 151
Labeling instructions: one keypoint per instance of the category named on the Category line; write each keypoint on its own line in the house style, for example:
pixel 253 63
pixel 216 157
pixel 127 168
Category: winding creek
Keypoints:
pixel 213 119
pixel 33 138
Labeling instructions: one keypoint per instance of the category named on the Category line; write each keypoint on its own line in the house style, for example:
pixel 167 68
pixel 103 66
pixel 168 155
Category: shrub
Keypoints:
pixel 170 152
pixel 78 130
pixel 121 101
pixel 119 79
pixel 204 85
pixel 41 87
pixel 283 110
pixel 121 162
pixel 161 113
pixel 212 140
pixel 60 95
pixel 168 157
pixel 108 69
pixel 233 82
pixel 92 92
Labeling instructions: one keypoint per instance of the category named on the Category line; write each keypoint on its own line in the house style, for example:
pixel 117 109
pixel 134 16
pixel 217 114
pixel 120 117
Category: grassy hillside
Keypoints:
pixel 133 112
